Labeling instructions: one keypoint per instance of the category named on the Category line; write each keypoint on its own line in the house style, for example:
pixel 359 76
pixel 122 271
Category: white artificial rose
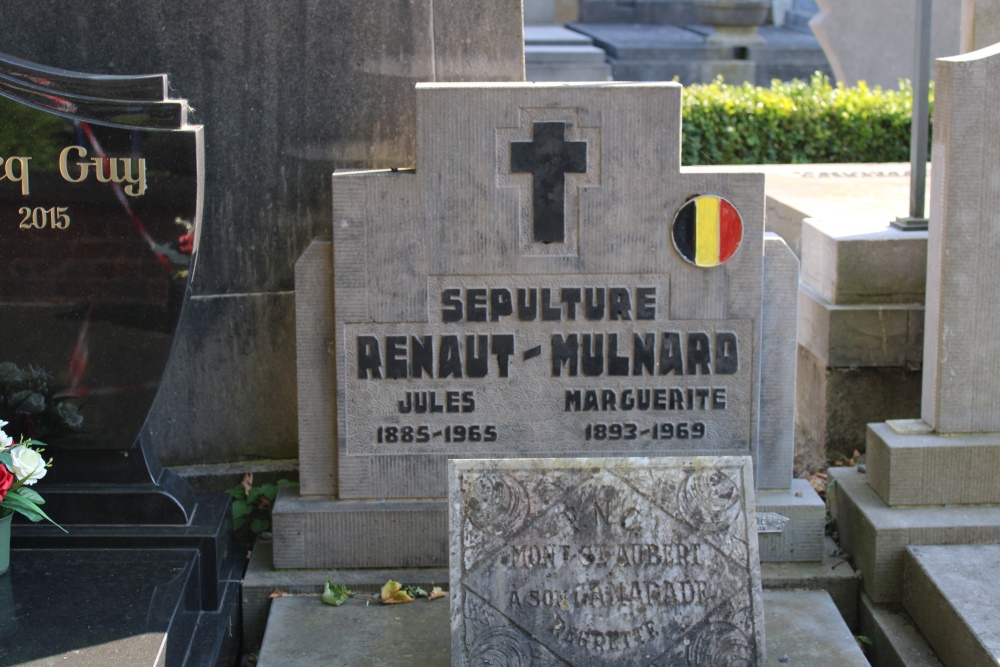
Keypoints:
pixel 6 442
pixel 27 464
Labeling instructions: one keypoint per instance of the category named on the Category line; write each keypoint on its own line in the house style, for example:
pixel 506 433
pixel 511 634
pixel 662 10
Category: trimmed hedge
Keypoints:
pixel 795 122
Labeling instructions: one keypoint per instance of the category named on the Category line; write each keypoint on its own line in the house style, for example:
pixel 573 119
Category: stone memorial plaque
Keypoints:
pixel 546 282
pixel 626 561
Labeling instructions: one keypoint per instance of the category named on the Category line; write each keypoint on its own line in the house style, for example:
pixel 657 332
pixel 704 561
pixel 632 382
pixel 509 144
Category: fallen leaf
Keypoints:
pixel 335 594
pixel 247 482
pixel 436 593
pixel 393 593
pixel 277 594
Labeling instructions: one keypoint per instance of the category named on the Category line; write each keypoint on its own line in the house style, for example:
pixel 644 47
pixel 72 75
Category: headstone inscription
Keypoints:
pixel 605 562
pixel 546 283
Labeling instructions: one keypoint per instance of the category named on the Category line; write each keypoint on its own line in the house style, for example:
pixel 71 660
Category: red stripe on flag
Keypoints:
pixel 730 230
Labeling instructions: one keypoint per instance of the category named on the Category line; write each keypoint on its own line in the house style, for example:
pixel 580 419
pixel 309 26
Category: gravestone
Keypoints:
pixel 932 481
pixel 101 193
pixel 288 94
pixel 605 561
pixel 546 283
pixel 855 38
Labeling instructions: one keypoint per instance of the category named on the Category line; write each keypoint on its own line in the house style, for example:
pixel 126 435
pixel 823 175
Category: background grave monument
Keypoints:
pixel 930 498
pixel 620 313
pixel 605 561
pixel 855 38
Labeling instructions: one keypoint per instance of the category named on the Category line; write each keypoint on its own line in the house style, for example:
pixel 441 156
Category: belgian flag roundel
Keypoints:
pixel 707 230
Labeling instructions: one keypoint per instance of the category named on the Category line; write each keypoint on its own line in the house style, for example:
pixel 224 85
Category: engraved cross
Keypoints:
pixel 548 157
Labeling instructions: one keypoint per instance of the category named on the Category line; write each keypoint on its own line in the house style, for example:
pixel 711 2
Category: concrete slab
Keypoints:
pixel 261 579
pixel 305 632
pixel 950 592
pixel 804 626
pixel 932 469
pixel 895 640
pixel 567 71
pixel 877 535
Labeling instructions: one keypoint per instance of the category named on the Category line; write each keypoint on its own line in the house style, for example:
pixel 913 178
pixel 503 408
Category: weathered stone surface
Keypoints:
pixel 605 561
pixel 446 259
pixel 806 627
pixel 874 41
pixel 833 405
pixel 961 345
pixel 861 335
pixel 877 535
pixel 950 591
pixel 933 469
pixel 896 642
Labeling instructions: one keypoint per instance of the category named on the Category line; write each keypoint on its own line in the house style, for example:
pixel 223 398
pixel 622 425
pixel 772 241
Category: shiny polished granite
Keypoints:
pixel 111 608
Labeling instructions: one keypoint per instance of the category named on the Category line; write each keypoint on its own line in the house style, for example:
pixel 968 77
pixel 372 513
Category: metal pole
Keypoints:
pixel 920 123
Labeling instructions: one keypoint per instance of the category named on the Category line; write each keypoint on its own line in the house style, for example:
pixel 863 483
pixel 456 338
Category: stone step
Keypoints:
pixel 833 576
pixel 895 640
pixel 876 535
pixel 909 464
pixel 801 628
pixel 950 592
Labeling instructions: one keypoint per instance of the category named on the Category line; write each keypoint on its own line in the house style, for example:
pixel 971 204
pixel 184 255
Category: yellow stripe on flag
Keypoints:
pixel 706 235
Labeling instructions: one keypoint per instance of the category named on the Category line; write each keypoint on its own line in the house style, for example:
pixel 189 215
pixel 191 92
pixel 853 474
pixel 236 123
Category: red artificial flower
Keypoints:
pixel 6 481
pixel 186 243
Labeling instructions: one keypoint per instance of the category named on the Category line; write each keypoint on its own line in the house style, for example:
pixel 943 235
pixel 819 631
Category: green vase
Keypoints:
pixel 5 542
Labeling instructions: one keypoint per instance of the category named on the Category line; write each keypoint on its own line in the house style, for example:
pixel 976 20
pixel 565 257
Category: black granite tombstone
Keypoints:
pixel 100 197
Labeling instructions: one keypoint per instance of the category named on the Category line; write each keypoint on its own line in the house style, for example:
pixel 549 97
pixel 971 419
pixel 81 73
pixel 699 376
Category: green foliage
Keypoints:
pixel 795 122
pixel 252 504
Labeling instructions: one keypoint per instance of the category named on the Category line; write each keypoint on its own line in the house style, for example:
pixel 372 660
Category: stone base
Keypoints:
pixel 312 532
pixel 833 405
pixel 329 533
pixel 877 535
pixel 931 469
pixel 950 592
pixel 895 641
pixel 802 537
pixel 803 627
